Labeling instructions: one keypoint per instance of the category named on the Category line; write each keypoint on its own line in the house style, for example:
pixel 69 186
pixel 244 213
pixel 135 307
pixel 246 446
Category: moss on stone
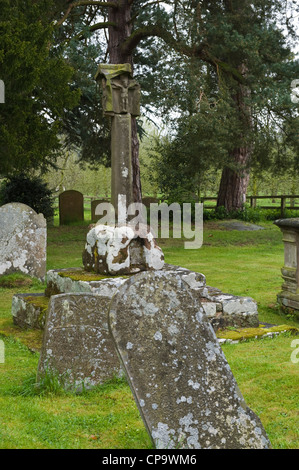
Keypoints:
pixel 87 276
pixel 243 334
pixel 40 301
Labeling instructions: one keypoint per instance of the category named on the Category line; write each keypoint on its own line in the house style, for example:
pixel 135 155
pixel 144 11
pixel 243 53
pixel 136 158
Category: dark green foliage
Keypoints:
pixel 30 191
pixel 37 91
pixel 201 143
pixel 84 126
pixel 248 214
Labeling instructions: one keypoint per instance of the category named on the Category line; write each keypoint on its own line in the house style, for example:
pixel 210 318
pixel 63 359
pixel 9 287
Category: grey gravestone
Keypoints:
pixel 77 347
pixel 71 207
pixel 23 240
pixel 182 383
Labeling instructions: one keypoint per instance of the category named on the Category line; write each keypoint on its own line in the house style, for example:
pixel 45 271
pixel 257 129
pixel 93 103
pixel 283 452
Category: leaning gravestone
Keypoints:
pixel 71 207
pixel 23 239
pixel 77 347
pixel 182 383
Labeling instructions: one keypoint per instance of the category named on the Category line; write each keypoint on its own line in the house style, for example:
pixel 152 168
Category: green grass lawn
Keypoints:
pixel 240 263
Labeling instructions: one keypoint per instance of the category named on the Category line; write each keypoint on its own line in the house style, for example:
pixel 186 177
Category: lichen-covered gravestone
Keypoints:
pixel 23 240
pixel 77 347
pixel 182 383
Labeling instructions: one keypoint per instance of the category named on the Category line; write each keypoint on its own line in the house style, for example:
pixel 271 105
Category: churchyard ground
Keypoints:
pixel 241 263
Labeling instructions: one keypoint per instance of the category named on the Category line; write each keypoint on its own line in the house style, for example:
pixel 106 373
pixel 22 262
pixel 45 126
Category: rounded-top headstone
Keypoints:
pixel 71 207
pixel 179 376
pixel 23 239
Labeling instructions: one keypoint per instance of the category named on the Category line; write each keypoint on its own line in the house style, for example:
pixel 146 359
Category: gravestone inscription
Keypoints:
pixel 77 346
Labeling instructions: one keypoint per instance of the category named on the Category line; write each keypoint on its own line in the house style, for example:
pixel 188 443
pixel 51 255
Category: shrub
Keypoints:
pixel 248 214
pixel 30 191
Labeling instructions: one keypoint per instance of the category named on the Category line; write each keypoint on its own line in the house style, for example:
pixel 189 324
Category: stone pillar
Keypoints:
pixel 121 159
pixel 289 296
pixel 121 101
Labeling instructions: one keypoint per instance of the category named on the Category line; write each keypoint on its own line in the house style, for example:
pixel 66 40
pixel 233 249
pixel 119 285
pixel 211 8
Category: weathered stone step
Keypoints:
pixel 222 309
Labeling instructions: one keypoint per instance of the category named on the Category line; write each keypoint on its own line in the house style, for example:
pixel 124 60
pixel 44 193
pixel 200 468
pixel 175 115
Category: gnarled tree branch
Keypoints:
pixel 201 51
pixel 85 3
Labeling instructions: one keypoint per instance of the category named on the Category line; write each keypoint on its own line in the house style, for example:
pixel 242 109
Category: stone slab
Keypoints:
pixel 29 310
pixel 231 310
pixel 23 240
pixel 288 298
pixel 222 309
pixel 61 281
pixel 247 334
pixel 179 376
pixel 77 346
pixel 239 225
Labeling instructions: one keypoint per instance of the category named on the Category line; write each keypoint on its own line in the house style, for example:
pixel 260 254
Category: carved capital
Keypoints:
pixel 121 93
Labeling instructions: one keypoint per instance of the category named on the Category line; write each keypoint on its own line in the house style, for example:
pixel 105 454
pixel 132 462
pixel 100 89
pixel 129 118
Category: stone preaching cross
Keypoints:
pixel 121 101
pixel 121 248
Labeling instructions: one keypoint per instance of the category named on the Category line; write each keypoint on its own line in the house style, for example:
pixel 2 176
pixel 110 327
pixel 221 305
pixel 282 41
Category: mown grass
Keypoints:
pixel 241 263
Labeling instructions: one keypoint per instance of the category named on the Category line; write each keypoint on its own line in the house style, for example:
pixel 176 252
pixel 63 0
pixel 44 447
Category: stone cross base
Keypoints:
pixel 121 250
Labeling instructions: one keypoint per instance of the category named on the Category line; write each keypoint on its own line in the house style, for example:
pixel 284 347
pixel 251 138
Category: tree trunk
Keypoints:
pixel 235 179
pixel 234 184
pixel 121 16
